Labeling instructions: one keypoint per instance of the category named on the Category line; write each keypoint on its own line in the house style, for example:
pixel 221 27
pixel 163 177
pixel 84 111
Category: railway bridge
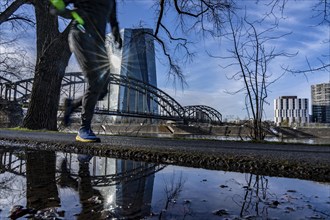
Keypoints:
pixel 149 101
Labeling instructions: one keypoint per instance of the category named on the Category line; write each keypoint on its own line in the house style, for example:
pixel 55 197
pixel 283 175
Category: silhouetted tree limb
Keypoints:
pixel 322 67
pixel 198 13
pixel 8 13
pixel 321 10
pixel 14 62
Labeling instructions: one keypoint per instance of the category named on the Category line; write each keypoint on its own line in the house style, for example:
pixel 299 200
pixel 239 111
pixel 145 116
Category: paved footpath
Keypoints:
pixel 289 160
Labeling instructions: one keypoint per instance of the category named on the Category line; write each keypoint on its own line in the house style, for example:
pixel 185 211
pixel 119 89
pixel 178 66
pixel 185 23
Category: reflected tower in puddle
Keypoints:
pixel 134 193
pixel 124 187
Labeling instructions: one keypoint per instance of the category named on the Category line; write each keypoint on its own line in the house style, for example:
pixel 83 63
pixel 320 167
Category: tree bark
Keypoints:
pixel 53 55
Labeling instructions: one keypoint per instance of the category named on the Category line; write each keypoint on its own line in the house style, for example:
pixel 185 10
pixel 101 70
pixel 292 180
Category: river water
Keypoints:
pixel 56 185
pixel 322 141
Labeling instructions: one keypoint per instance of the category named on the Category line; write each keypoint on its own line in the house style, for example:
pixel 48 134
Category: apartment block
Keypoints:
pixel 291 110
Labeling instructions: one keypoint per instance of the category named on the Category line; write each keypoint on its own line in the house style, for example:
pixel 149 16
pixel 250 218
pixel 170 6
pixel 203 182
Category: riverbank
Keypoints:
pixel 234 131
pixel 311 162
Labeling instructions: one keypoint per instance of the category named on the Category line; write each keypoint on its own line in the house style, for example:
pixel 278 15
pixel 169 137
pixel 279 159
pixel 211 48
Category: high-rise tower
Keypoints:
pixel 135 60
pixel 321 103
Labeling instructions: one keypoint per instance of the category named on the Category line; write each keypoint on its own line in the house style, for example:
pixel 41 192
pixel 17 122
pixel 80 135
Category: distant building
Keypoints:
pixel 135 60
pixel 290 110
pixel 321 103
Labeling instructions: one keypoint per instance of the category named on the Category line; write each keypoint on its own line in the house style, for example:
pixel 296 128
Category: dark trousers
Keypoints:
pixel 90 52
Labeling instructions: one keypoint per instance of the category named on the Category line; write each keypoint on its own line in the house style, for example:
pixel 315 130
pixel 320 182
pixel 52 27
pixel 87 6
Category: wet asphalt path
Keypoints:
pixel 238 156
pixel 297 151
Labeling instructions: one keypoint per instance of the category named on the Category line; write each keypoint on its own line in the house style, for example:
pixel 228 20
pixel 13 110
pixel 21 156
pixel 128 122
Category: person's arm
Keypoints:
pixel 59 8
pixel 114 25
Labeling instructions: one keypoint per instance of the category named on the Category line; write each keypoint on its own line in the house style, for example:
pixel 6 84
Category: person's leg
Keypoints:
pixel 76 39
pixel 92 57
pixel 96 90
pixel 70 105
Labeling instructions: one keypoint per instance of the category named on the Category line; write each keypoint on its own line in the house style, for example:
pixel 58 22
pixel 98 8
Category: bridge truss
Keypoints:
pixel 14 162
pixel 156 104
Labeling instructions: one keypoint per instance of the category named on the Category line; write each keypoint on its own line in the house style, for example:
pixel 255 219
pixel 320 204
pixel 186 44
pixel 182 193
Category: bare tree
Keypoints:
pixel 204 17
pixel 52 58
pixel 53 55
pixel 172 191
pixel 251 55
pixel 256 190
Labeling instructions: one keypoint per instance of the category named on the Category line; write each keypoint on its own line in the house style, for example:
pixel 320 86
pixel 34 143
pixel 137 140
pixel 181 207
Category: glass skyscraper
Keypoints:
pixel 135 60
pixel 321 103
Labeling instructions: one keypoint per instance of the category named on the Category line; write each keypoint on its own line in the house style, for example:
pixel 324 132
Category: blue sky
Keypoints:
pixel 207 80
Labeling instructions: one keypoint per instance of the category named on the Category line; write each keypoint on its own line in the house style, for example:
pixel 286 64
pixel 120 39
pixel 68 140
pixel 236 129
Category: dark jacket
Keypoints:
pixel 96 14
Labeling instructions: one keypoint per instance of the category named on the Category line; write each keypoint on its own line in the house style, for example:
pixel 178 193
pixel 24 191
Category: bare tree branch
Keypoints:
pixel 178 9
pixel 11 9
pixel 14 63
pixel 197 13
pixel 19 18
pixel 321 10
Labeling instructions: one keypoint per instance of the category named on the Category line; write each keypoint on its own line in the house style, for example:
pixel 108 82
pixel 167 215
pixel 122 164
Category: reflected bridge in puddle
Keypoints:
pixel 57 185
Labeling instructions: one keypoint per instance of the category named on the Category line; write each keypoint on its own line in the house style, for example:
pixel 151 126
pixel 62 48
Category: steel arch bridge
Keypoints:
pixel 202 113
pixel 14 161
pixel 154 103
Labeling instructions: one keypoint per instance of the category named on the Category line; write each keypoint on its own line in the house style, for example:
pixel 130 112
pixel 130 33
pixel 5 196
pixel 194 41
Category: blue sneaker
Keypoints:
pixel 86 135
pixel 67 112
pixel 84 158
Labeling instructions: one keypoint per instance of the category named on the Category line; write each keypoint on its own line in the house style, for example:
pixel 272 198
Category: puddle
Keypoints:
pixel 56 185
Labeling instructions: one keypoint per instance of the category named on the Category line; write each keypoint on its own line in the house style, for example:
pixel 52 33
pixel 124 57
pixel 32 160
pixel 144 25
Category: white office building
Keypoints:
pixel 290 111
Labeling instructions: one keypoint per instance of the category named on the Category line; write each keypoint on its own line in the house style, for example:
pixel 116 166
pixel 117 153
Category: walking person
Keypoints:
pixel 87 42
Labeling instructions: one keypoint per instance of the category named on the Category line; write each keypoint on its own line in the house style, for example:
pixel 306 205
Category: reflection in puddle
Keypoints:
pixel 55 185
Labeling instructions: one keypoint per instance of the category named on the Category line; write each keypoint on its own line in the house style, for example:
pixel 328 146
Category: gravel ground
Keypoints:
pixel 301 161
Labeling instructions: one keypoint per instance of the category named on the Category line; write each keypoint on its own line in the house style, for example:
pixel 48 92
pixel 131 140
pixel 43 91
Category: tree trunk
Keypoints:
pixel 53 55
pixel 41 189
